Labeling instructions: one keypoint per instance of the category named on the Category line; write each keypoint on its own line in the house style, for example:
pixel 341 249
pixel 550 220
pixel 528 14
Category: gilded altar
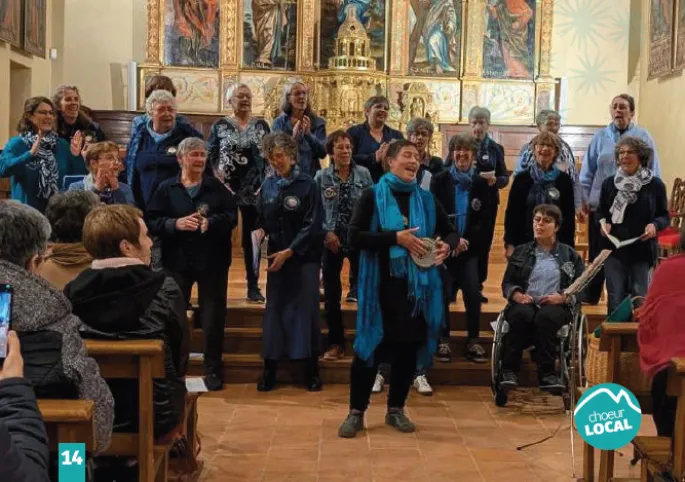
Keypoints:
pixel 432 58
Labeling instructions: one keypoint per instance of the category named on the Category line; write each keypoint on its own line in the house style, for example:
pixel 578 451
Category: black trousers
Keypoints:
pixel 402 359
pixel 484 253
pixel 537 324
pixel 211 290
pixel 249 222
pixel 664 406
pixel 332 267
pixel 593 291
pixel 462 274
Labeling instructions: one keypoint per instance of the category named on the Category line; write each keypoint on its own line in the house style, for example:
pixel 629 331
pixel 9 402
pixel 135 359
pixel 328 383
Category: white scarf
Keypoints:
pixel 628 188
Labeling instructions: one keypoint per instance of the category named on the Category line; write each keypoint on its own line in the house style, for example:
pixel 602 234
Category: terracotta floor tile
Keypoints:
pixel 291 437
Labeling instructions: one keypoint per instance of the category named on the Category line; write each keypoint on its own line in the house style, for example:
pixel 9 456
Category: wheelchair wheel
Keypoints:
pixel 497 352
pixel 579 350
pixel 501 397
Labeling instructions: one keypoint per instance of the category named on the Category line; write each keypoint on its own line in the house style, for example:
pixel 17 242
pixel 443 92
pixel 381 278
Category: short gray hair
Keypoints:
pixel 279 140
pixel 159 97
pixel 24 233
pixel 419 123
pixel 642 149
pixel 241 85
pixel 286 106
pixel 479 113
pixel 545 114
pixel 190 144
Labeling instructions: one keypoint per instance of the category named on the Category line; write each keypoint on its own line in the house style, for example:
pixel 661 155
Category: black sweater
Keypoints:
pixel 651 207
pixel 399 326
pixel 518 220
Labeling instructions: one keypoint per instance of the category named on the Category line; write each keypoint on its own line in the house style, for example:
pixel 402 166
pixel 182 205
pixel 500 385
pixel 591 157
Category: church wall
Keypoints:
pixel 661 110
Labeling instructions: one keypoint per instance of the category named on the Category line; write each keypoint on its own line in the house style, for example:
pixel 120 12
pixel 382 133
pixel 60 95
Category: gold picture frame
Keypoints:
pixel 679 35
pixel 660 38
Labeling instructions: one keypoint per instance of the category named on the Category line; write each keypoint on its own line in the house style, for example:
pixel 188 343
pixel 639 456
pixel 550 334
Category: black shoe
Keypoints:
pixel 483 299
pixel 352 296
pixel 551 383
pixel 399 421
pixel 314 384
pixel 254 295
pixel 353 423
pixel 476 353
pixel 213 382
pixel 509 380
pixel 267 382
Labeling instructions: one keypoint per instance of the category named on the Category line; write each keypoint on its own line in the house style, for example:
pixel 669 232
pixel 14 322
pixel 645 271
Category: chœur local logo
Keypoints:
pixel 608 416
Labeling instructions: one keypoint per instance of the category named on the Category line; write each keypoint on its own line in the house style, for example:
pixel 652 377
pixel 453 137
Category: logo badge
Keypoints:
pixel 569 269
pixel 608 416
pixel 291 203
pixel 330 193
pixel 476 204
pixel 553 194
pixel 171 151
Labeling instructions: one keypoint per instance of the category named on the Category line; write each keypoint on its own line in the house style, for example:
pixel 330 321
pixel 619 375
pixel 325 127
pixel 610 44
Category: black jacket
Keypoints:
pixel 364 147
pixel 193 250
pixel 518 220
pixel 651 207
pixel 24 452
pixel 479 214
pixel 522 261
pixel 131 303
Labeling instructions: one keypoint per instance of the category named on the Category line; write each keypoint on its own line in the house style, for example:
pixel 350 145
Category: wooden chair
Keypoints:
pixel 663 454
pixel 141 360
pixel 669 238
pixel 68 421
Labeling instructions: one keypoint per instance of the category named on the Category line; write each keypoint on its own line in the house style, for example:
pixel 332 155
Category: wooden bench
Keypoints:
pixel 68 421
pixel 141 360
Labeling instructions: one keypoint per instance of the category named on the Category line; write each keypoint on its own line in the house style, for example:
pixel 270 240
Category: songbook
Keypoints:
pixel 590 272
pixel 614 240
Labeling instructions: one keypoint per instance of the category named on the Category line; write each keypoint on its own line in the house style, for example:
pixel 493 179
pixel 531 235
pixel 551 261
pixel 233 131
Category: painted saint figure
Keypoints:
pixel 509 35
pixel 436 23
pixel 270 19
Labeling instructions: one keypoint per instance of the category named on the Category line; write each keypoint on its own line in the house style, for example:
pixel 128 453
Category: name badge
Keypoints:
pixel 291 203
pixel 485 157
pixel 172 151
pixel 330 193
pixel 476 204
pixel 554 194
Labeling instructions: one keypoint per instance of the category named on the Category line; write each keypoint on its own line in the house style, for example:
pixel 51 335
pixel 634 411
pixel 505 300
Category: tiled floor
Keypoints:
pixel 291 435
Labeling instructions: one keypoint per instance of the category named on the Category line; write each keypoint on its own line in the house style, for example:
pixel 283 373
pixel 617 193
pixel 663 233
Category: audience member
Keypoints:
pixel 632 204
pixel 370 140
pixel 290 214
pixel 400 317
pixel 121 298
pixel 67 256
pixel 104 166
pixel 490 160
pixel 45 312
pixel 151 153
pixel 193 214
pixel 420 132
pixel 543 183
pixel 340 184
pixel 72 118
pixel 236 157
pixel 37 159
pixel 298 120
pixel 600 164
pixel 23 440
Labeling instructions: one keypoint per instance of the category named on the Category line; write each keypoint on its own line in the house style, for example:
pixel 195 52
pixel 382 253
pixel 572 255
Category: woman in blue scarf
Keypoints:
pixel 290 214
pixel 401 311
pixel 542 183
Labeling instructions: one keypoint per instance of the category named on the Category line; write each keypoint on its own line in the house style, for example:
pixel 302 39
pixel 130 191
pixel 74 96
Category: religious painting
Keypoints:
pixel 369 13
pixel 509 39
pixel 680 36
pixel 191 33
pixel 270 34
pixel 34 27
pixel 660 38
pixel 509 103
pixel 10 22
pixel 197 91
pixel 435 40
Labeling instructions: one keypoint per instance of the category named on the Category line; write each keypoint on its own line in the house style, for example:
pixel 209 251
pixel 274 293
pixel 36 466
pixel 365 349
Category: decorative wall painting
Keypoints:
pixel 270 34
pixel 191 33
pixel 509 39
pixel 10 22
pixel 660 38
pixel 679 36
pixel 34 27
pixel 435 40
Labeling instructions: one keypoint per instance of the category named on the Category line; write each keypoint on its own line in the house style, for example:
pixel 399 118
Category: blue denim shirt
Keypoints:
pixel 310 147
pixel 329 185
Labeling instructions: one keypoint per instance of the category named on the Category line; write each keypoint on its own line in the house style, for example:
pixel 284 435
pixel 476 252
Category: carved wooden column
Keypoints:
pixel 474 18
pixel 544 82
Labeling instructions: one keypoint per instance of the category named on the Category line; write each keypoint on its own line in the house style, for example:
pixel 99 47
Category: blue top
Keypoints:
pixel 600 160
pixel 16 162
pixel 545 278
pixel 310 147
pixel 123 195
pixel 364 147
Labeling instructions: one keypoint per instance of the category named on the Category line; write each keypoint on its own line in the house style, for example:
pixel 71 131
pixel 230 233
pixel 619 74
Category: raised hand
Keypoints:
pixel 76 146
pixel 36 144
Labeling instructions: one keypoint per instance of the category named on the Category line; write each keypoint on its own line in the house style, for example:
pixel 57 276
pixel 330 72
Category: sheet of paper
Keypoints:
pixel 614 240
pixel 195 385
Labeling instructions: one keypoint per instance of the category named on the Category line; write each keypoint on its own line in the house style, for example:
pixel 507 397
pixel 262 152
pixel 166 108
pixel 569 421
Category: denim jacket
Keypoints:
pixel 329 185
pixel 522 261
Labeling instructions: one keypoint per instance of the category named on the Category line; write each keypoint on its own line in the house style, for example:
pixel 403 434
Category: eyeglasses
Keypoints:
pixel 542 220
pixel 626 152
pixel 45 113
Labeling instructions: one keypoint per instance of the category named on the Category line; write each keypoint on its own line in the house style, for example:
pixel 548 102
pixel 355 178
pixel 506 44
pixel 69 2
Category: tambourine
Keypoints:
pixel 427 260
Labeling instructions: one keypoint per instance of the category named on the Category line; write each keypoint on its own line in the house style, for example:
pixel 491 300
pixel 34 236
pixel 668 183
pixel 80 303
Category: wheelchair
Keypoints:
pixel 570 356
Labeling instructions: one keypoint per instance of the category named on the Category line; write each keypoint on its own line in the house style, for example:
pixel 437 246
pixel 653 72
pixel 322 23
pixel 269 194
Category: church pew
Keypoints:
pixel 68 421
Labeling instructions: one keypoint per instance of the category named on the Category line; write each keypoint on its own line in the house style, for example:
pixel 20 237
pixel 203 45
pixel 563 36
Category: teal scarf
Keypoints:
pixel 462 190
pixel 425 286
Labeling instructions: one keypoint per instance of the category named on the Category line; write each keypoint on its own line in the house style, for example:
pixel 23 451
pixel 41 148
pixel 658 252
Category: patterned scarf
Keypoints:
pixel 542 182
pixel 45 163
pixel 422 283
pixel 462 188
pixel 628 188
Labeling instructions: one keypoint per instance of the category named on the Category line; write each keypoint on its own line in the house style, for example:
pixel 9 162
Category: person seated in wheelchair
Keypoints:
pixel 537 274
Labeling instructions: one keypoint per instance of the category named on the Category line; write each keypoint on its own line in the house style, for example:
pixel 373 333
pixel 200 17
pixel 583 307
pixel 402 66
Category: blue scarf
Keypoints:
pixel 157 136
pixel 425 286
pixel 274 184
pixel 462 190
pixel 542 181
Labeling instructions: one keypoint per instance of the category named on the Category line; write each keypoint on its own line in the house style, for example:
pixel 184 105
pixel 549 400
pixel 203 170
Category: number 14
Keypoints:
pixel 75 458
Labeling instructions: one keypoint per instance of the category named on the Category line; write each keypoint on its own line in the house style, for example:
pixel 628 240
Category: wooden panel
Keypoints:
pixel 68 421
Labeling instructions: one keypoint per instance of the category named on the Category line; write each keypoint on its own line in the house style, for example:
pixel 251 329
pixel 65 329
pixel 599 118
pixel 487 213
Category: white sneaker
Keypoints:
pixel 378 384
pixel 422 386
